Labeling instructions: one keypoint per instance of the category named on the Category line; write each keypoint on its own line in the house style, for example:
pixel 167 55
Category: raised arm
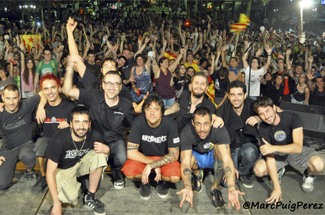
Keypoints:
pixel 68 88
pixel 71 25
pixel 269 54
pixel 179 57
pixel 245 64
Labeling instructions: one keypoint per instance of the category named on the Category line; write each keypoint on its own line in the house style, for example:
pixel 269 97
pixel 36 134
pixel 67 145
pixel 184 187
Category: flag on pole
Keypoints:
pixel 29 39
pixel 242 25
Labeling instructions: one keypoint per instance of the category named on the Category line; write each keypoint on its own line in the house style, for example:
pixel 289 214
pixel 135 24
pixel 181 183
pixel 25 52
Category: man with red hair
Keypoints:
pixel 57 111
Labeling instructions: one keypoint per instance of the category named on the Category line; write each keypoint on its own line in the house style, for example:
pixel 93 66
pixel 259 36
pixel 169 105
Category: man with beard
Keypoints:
pixel 283 143
pixel 57 111
pixel 190 100
pixel 110 114
pixel 204 146
pixel 73 152
pixel 241 122
pixel 153 145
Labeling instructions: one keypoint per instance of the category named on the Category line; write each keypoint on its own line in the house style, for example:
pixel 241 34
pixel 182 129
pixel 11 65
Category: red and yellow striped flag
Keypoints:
pixel 170 56
pixel 242 25
pixel 29 39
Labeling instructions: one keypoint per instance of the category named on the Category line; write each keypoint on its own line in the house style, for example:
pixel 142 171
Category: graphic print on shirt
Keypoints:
pixel 280 136
pixel 74 153
pixel 154 139
pixel 54 120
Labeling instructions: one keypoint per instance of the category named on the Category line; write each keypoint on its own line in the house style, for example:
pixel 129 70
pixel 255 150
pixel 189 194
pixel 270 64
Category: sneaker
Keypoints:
pixel 280 175
pixel 308 182
pixel 40 185
pixel 94 204
pixel 31 178
pixel 145 191
pixel 197 182
pixel 217 200
pixel 246 181
pixel 118 180
pixel 162 189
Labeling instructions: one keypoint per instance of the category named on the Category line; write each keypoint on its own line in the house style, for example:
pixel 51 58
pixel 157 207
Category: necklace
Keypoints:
pixel 82 143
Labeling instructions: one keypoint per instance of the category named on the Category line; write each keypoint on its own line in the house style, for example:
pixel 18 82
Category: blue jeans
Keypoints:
pixel 118 154
pixel 169 102
pixel 246 156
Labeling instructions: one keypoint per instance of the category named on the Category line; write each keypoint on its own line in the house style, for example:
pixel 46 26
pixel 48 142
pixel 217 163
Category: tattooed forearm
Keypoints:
pixel 132 146
pixel 169 158
pixel 218 170
pixel 187 176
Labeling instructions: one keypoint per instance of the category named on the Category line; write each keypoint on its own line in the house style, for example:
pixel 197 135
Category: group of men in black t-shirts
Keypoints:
pixel 202 136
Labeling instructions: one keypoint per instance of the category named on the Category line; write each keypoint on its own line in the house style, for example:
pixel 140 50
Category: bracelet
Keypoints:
pixel 56 204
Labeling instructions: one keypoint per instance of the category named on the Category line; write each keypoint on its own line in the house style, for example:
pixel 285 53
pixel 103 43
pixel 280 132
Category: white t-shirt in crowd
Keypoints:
pixel 255 82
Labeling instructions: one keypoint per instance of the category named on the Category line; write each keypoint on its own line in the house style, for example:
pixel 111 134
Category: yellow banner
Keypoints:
pixel 29 39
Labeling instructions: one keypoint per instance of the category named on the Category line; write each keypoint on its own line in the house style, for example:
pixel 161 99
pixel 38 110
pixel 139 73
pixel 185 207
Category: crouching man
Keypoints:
pixel 72 153
pixel 203 146
pixel 153 145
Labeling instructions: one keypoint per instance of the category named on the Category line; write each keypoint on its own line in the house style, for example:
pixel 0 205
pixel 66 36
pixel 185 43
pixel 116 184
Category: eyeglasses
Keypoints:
pixel 109 84
pixel 254 61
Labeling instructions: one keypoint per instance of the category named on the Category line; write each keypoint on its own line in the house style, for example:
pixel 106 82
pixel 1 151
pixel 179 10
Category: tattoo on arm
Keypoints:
pixel 132 146
pixel 169 158
pixel 187 177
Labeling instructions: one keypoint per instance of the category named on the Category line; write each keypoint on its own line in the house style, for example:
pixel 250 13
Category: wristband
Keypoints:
pixel 269 55
pixel 56 204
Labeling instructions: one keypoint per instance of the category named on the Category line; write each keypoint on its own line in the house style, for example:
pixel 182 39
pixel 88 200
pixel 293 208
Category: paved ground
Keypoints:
pixel 19 199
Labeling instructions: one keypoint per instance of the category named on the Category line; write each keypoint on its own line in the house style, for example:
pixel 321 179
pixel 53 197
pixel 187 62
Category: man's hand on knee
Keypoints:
pixel 2 159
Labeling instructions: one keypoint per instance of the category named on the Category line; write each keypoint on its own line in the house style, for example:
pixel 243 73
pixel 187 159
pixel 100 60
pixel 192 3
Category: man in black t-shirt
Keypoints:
pixel 221 82
pixel 74 152
pixel 190 100
pixel 57 117
pixel 17 140
pixel 282 141
pixel 153 145
pixel 241 122
pixel 110 114
pixel 203 146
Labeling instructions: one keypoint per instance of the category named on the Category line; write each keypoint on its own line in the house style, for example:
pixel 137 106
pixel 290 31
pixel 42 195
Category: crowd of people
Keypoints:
pixel 146 94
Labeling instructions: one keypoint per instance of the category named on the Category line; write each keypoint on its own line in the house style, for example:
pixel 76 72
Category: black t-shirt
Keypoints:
pixel 184 116
pixel 109 121
pixel 61 149
pixel 281 134
pixel 55 115
pixel 128 67
pixel 317 98
pixel 154 141
pixel 220 85
pixel 93 68
pixel 16 128
pixel 191 140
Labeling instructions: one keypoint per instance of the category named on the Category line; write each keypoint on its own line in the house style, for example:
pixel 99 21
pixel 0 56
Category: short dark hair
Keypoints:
pixel 11 87
pixel 262 101
pixel 202 111
pixel 223 72
pixel 91 52
pixel 154 97
pixel 319 77
pixel 47 49
pixel 124 58
pixel 256 58
pixel 108 59
pixel 112 73
pixel 80 109
pixel 237 84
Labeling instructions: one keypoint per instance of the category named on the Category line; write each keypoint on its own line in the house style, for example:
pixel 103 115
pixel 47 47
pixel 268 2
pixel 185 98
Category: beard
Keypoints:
pixel 80 136
pixel 198 95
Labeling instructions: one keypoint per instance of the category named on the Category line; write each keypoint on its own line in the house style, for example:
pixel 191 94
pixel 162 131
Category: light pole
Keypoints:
pixel 303 4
